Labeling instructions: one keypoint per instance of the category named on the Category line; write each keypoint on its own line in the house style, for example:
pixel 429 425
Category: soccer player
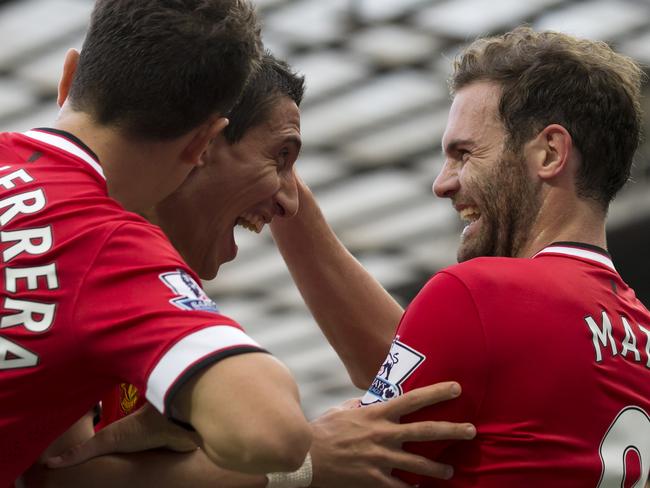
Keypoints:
pixel 92 294
pixel 551 346
pixel 250 161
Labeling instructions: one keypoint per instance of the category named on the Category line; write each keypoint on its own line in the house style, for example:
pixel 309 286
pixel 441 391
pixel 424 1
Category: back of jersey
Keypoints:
pixel 553 357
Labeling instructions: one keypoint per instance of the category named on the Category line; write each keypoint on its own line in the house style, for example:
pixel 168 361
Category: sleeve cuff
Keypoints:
pixel 190 355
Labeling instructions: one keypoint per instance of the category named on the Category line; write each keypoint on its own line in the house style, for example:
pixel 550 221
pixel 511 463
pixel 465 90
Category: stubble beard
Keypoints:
pixel 509 204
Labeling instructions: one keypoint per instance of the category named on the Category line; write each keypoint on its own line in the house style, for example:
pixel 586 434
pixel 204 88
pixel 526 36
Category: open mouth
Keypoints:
pixel 469 215
pixel 254 223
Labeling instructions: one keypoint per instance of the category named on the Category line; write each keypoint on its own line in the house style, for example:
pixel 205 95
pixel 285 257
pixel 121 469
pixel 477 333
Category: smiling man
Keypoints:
pixel 247 179
pixel 251 180
pixel 92 294
pixel 550 344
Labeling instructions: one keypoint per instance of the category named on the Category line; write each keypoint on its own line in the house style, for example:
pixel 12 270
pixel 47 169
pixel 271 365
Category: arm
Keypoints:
pixel 351 447
pixel 144 429
pixel 441 336
pixel 352 308
pixel 246 410
pixel 163 469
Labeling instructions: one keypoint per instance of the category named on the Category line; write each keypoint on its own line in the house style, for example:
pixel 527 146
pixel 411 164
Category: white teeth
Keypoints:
pixel 251 222
pixel 470 214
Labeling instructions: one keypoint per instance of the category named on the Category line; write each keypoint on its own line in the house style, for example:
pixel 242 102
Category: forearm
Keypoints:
pixel 351 307
pixel 163 469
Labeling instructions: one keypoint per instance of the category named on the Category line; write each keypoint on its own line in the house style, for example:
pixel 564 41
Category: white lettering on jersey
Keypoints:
pixel 647 344
pixel 629 343
pixel 601 335
pixel 12 275
pixel 8 180
pixel 32 241
pixel 13 356
pixel 604 335
pixel 24 203
pixel 34 316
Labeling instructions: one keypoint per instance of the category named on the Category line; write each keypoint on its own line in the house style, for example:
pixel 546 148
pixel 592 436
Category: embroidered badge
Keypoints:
pixel 400 363
pixel 190 296
pixel 128 397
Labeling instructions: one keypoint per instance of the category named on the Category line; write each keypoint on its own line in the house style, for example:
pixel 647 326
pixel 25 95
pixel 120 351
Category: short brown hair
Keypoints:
pixel 158 68
pixel 553 78
pixel 273 80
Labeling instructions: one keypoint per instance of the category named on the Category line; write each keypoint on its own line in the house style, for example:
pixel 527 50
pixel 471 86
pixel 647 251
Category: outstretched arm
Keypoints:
pixel 351 447
pixel 351 307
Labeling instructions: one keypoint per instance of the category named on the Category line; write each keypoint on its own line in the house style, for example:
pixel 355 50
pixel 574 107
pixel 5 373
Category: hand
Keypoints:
pixel 143 430
pixel 359 447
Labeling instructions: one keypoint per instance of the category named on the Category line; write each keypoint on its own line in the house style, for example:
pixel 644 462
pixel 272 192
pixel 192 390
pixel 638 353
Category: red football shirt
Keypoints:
pixel 91 296
pixel 553 357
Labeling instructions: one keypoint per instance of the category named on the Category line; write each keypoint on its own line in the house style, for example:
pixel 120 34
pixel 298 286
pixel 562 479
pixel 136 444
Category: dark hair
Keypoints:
pixel 158 68
pixel 272 80
pixel 553 78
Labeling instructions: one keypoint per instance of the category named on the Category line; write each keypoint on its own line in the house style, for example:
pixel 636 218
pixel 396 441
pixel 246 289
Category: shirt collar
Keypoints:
pixel 587 252
pixel 69 143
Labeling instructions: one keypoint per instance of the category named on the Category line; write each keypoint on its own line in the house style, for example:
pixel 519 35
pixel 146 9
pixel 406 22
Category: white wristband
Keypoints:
pixel 301 478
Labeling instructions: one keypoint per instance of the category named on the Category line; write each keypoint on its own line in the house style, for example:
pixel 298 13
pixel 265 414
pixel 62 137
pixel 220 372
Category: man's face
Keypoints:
pixel 490 186
pixel 246 183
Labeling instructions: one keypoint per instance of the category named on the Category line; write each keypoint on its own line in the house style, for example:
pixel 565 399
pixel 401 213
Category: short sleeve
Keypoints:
pixel 146 319
pixel 440 338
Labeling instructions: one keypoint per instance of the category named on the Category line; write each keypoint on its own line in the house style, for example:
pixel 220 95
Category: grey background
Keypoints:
pixel 373 117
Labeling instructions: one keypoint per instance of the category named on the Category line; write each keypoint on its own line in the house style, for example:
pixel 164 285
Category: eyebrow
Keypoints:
pixel 453 145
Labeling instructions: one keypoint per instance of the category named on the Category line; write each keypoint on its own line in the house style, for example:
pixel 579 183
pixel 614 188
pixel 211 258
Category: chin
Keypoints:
pixel 208 271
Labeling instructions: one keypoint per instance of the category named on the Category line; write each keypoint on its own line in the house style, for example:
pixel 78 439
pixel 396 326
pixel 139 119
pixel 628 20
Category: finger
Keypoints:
pixel 406 461
pixel 421 397
pixel 93 447
pixel 352 403
pixel 381 479
pixel 124 435
pixel 433 431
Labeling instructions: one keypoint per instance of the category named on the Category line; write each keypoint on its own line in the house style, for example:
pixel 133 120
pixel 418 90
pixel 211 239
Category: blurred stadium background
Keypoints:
pixel 373 117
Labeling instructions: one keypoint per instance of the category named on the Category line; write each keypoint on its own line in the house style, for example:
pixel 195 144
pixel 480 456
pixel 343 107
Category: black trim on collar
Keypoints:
pixel 71 138
pixel 581 245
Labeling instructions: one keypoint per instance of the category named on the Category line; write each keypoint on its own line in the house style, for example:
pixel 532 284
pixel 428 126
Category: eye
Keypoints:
pixel 283 156
pixel 463 155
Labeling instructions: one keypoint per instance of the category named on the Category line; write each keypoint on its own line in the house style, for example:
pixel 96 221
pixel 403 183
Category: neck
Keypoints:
pixel 138 173
pixel 567 219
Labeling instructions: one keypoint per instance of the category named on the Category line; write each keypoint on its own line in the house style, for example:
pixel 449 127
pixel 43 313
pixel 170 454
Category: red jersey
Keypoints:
pixel 91 296
pixel 553 355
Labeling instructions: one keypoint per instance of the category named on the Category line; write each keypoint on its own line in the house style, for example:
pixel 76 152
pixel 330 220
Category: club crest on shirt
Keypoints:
pixel 400 363
pixel 190 296
pixel 128 397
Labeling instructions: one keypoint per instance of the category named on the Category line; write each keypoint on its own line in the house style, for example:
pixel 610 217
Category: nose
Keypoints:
pixel 286 199
pixel 446 183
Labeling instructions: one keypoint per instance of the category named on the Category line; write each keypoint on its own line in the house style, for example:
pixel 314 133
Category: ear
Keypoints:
pixel 549 153
pixel 69 69
pixel 194 151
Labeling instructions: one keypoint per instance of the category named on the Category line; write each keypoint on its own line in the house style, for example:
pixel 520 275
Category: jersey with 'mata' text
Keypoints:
pixel 553 357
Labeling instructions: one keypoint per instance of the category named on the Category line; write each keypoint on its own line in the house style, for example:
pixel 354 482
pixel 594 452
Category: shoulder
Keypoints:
pixel 495 271
pixel 133 239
